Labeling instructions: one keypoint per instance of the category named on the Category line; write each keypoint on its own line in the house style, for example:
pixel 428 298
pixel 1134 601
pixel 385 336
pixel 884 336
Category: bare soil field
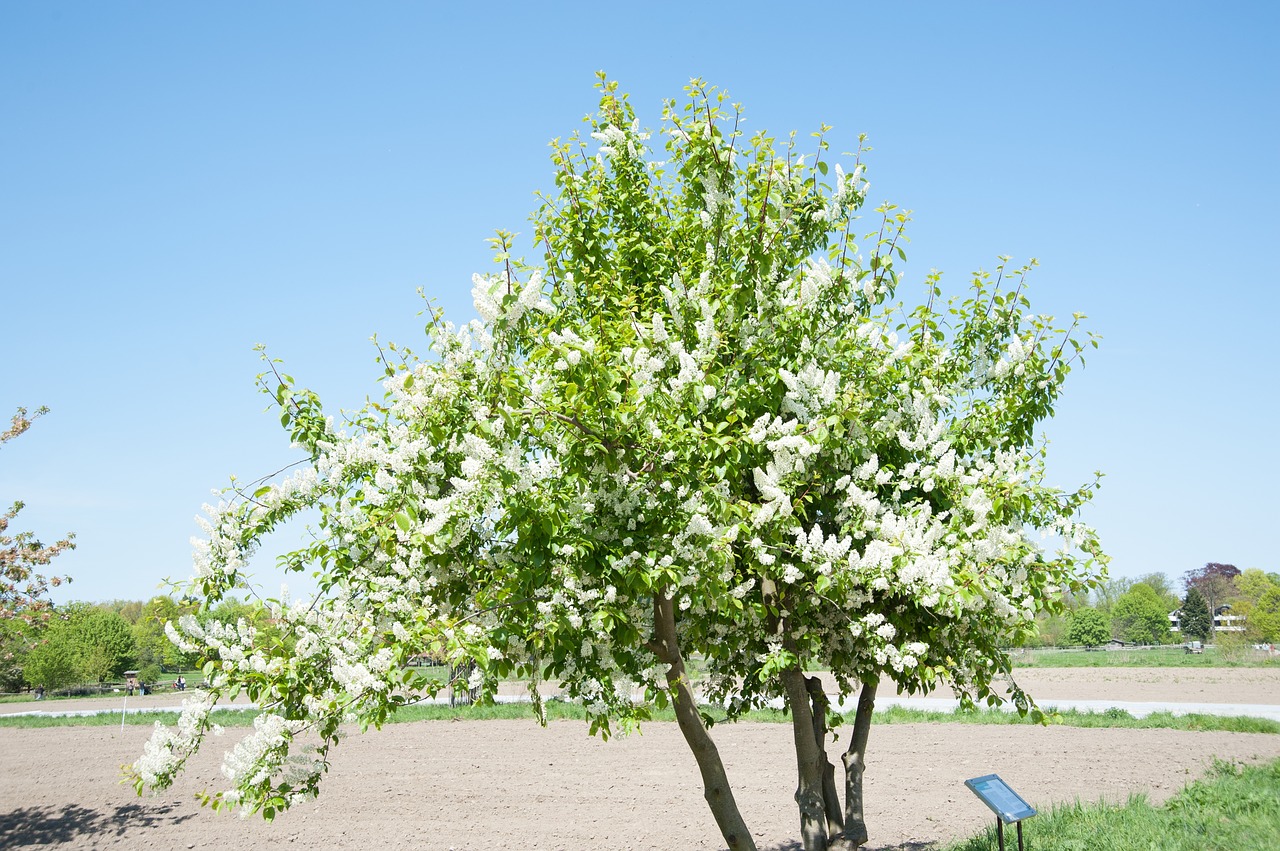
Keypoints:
pixel 510 784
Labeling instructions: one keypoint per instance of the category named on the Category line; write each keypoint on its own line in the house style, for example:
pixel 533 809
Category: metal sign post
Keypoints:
pixel 1007 804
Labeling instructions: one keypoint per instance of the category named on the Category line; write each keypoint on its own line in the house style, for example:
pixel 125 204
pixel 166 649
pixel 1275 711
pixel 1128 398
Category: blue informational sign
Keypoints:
pixel 1003 801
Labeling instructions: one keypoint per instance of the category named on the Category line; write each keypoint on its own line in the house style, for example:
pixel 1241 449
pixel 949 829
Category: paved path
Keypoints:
pixel 165 701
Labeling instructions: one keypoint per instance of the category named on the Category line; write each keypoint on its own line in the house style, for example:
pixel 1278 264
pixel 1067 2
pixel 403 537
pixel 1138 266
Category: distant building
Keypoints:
pixel 1222 622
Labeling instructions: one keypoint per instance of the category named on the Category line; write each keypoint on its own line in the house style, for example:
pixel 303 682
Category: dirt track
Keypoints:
pixel 510 784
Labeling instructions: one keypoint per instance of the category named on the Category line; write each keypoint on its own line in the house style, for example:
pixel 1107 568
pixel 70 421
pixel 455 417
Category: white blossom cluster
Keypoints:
pixel 169 748
pixel 263 756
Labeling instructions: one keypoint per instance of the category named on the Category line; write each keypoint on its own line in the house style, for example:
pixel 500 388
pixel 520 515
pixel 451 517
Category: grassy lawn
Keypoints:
pixel 50 697
pixel 164 684
pixel 1155 657
pixel 1236 808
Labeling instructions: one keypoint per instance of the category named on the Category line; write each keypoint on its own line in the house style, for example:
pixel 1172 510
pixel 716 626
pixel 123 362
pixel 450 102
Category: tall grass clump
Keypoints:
pixel 1234 808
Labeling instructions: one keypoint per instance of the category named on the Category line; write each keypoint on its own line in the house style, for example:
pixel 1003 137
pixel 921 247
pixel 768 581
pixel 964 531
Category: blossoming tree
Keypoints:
pixel 701 426
pixel 23 589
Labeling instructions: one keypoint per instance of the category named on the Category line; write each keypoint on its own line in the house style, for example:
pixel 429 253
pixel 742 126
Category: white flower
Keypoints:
pixel 699 525
pixel 485 304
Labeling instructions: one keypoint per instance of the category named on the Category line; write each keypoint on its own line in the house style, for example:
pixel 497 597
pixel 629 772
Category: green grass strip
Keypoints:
pixel 557 710
pixel 563 710
pixel 1110 718
pixel 223 717
pixel 1161 657
pixel 1234 808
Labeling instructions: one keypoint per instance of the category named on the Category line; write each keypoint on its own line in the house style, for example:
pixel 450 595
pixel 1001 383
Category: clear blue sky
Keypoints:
pixel 180 182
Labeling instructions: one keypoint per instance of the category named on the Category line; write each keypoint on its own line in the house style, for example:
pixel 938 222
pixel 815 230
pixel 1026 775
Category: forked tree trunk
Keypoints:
pixel 843 831
pixel 808 731
pixel 809 761
pixel 823 827
pixel 830 797
pixel 715 783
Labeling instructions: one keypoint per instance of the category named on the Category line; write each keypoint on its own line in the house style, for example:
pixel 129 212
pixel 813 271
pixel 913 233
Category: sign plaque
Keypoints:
pixel 1007 804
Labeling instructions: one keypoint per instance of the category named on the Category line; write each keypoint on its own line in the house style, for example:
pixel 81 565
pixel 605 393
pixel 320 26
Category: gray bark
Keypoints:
pixel 810 754
pixel 715 782
pixel 830 796
pixel 809 758
pixel 855 763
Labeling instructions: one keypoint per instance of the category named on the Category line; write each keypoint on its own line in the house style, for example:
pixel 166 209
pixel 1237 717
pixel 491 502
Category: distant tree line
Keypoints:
pixel 91 643
pixel 1137 610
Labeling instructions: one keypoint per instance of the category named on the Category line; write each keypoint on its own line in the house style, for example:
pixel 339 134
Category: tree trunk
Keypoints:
pixel 809 757
pixel 830 796
pixel 715 782
pixel 810 753
pixel 855 763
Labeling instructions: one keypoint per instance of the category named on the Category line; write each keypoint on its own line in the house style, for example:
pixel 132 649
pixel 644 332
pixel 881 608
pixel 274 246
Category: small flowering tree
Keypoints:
pixel 24 589
pixel 702 425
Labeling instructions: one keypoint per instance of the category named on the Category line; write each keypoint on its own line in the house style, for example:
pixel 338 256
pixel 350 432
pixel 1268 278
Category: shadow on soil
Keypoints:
pixel 55 825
